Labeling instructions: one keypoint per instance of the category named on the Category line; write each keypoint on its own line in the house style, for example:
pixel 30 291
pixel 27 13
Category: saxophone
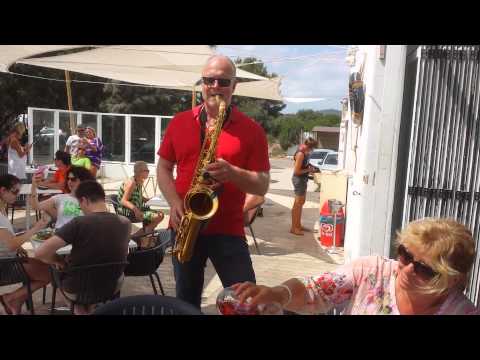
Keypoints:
pixel 201 202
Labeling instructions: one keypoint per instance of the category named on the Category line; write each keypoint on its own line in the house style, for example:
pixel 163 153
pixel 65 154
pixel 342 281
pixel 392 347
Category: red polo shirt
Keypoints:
pixel 242 143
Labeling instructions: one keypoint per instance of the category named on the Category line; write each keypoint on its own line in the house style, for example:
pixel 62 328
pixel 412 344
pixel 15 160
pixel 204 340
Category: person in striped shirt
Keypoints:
pixel 132 202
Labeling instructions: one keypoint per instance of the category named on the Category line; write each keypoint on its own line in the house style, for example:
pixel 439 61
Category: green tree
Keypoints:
pixel 144 100
pixel 263 111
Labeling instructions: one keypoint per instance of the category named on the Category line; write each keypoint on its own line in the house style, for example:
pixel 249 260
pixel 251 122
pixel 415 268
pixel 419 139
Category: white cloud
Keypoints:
pixel 324 75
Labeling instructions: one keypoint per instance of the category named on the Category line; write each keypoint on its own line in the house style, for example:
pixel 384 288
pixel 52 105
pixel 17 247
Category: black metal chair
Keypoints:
pixel 145 262
pixel 12 272
pixel 249 217
pixel 20 202
pixel 147 305
pixel 91 284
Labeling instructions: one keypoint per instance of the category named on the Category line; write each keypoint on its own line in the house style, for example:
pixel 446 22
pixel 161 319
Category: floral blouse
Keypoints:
pixel 367 287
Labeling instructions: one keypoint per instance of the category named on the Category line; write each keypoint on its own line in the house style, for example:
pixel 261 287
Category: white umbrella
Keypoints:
pixel 164 66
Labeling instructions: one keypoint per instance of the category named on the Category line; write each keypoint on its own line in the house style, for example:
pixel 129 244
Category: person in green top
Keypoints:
pixel 132 203
pixel 81 159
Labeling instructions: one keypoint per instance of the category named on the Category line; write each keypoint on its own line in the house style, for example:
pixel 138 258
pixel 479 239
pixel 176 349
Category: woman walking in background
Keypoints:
pixel 94 150
pixel 301 170
pixel 17 154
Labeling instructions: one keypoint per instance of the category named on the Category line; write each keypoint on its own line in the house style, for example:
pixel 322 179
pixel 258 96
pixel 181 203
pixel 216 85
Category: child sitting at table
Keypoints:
pixel 80 159
pixel 62 163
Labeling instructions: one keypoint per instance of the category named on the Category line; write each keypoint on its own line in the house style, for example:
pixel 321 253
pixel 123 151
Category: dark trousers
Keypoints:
pixel 229 256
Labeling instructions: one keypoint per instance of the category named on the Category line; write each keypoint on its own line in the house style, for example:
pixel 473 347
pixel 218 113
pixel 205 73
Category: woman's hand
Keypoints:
pixel 22 252
pixel 259 294
pixel 41 224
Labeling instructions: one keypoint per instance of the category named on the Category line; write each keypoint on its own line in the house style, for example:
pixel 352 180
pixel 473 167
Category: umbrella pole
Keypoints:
pixel 69 99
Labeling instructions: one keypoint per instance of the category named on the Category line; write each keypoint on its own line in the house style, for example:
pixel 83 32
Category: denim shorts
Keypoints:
pixel 299 185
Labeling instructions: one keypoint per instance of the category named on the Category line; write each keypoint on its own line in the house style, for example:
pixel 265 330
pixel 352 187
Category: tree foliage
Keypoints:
pixel 263 111
pixel 18 93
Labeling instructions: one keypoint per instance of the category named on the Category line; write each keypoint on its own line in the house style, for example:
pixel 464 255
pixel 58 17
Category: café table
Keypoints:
pixel 158 201
pixel 67 249
pixel 26 189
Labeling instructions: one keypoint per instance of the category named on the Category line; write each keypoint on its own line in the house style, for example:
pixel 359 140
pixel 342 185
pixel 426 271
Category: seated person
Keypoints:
pixel 250 205
pixel 80 159
pixel 62 162
pixel 132 203
pixel 429 277
pixel 97 237
pixel 62 207
pixel 11 246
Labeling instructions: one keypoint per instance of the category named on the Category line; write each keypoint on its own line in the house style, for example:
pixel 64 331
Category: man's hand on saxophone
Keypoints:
pixel 220 170
pixel 177 210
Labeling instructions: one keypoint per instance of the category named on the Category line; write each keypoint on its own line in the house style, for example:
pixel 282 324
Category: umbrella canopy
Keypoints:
pixel 9 54
pixel 165 66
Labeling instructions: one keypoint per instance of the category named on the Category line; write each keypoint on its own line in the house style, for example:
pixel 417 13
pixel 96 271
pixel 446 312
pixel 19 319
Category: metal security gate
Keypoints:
pixel 443 178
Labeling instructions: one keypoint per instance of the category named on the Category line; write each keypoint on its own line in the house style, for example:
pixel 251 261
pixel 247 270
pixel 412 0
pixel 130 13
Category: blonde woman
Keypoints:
pixel 17 154
pixel 132 203
pixel 93 150
pixel 434 259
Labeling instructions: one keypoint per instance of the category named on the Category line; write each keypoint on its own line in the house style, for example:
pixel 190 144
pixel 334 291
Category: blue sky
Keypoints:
pixel 307 71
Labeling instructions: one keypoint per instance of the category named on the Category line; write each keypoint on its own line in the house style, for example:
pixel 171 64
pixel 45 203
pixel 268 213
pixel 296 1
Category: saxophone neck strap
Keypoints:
pixel 203 122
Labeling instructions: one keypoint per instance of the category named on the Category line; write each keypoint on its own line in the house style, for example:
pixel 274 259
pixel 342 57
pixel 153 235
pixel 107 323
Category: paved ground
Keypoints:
pixel 283 255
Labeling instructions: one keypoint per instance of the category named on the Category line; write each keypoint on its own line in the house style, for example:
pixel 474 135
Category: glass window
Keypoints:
pixel 113 137
pixel 331 159
pixel 143 139
pixel 318 155
pixel 64 127
pixel 164 123
pixel 43 137
pixel 90 120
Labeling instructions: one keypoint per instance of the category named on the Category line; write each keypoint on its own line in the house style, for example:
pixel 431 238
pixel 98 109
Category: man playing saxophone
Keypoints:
pixel 241 166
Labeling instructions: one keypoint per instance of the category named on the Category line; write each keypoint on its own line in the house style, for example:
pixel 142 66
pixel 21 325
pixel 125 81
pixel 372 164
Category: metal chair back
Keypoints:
pixel 90 284
pixel 147 305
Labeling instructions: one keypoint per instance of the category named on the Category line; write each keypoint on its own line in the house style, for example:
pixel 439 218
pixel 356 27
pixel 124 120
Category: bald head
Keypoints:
pixel 221 61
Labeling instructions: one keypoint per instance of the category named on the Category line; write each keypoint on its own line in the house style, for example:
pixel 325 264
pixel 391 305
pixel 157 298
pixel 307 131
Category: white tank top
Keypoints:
pixel 16 164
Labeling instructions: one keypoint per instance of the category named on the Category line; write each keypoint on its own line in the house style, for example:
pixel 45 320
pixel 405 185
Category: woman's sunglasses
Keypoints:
pixel 14 191
pixel 221 82
pixel 72 178
pixel 424 271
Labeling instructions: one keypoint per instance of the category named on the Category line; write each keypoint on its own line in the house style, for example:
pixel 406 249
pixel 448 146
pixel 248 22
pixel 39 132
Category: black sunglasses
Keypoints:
pixel 221 82
pixel 424 271
pixel 14 192
pixel 72 178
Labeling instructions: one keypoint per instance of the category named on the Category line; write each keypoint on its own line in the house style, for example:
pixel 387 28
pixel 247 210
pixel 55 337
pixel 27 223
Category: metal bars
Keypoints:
pixel 444 155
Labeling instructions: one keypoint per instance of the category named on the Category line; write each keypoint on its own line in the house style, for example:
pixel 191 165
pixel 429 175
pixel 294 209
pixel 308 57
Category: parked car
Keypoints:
pixel 330 162
pixel 318 156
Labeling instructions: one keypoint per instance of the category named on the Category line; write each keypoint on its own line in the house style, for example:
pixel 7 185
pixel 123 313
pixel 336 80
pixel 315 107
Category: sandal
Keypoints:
pixel 5 307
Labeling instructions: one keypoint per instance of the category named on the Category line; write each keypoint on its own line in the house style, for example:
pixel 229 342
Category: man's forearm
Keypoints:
pixel 251 182
pixel 166 185
pixel 50 258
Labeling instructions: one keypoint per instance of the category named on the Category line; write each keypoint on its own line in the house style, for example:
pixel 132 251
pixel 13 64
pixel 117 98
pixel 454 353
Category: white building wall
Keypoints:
pixel 371 185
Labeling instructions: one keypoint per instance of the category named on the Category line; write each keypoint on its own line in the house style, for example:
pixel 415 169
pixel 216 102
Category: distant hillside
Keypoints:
pixel 330 111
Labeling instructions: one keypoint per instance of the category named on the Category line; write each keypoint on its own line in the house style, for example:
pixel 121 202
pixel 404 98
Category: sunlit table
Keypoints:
pixel 157 201
pixel 67 249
